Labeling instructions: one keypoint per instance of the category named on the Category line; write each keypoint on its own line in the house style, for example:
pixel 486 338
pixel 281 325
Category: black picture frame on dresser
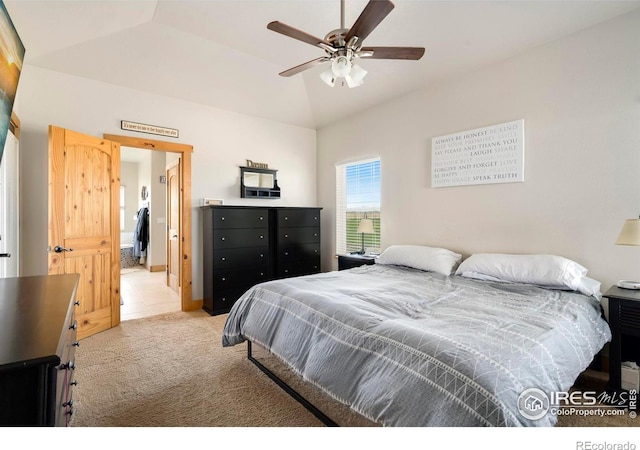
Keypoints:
pixel 247 245
pixel 37 350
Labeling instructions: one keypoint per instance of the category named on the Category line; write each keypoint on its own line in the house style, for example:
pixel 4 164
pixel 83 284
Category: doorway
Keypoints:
pixel 184 152
pixel 145 219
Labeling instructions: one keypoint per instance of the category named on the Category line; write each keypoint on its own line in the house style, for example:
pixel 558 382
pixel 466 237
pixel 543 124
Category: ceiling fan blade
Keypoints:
pixel 304 66
pixel 414 53
pixel 294 33
pixel 371 16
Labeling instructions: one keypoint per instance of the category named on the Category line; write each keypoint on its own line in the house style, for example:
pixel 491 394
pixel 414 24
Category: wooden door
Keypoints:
pixel 84 223
pixel 173 226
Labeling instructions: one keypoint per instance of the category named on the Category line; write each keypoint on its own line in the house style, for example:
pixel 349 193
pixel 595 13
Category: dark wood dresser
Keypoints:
pixel 37 349
pixel 236 254
pixel 246 245
pixel 296 241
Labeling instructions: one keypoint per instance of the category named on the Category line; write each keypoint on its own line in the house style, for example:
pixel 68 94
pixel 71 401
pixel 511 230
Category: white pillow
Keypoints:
pixel 587 286
pixel 541 270
pixel 430 259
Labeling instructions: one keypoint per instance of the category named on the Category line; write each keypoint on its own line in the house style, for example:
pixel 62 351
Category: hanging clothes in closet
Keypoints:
pixel 141 235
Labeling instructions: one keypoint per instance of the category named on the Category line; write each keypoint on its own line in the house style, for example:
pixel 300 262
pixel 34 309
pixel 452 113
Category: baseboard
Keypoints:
pixel 194 305
pixel 161 268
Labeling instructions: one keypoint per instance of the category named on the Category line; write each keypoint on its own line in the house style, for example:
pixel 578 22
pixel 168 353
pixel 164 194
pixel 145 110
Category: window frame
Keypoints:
pixel 345 242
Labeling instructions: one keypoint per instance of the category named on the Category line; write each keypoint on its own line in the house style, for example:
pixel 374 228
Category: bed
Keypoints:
pixel 405 346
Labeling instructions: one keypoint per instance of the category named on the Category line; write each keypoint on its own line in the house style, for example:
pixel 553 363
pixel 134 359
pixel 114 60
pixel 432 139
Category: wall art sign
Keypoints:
pixel 151 129
pixel 488 155
pixel 257 165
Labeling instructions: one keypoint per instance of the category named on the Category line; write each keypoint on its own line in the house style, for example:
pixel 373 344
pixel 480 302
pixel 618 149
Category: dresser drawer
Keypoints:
pixel 298 252
pixel 298 268
pixel 630 317
pixel 298 218
pixel 65 374
pixel 301 235
pixel 223 299
pixel 241 257
pixel 240 218
pixel 240 238
pixel 224 279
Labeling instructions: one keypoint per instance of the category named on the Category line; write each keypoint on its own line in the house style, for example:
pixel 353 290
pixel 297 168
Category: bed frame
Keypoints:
pixel 289 390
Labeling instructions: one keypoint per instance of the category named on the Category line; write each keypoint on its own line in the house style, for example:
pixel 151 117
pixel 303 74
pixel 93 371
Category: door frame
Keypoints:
pixel 185 150
pixel 14 130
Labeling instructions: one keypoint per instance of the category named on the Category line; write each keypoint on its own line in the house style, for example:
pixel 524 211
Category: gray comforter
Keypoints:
pixel 405 347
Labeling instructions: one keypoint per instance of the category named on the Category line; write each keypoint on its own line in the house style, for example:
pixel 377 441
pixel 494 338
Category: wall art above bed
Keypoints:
pixel 488 155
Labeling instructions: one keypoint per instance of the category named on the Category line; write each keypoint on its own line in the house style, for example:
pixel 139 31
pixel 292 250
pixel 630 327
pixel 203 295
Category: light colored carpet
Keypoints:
pixel 172 371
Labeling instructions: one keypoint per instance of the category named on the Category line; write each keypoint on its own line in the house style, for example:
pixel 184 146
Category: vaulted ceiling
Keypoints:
pixel 220 53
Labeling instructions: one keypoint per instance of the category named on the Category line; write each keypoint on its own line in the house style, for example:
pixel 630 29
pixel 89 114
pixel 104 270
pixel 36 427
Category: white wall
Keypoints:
pixel 158 211
pixel 580 99
pixel 129 179
pixel 222 142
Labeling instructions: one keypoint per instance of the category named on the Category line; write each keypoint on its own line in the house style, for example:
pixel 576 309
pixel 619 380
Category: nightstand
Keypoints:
pixel 624 320
pixel 350 261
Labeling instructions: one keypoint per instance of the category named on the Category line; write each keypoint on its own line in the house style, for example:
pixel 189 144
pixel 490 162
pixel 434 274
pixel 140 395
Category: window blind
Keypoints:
pixel 357 197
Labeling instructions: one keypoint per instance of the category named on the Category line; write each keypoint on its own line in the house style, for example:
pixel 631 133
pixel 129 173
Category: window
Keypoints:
pixel 122 208
pixel 357 197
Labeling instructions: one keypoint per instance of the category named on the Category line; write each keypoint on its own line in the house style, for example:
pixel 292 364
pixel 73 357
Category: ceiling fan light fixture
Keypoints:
pixel 328 77
pixel 341 66
pixel 356 77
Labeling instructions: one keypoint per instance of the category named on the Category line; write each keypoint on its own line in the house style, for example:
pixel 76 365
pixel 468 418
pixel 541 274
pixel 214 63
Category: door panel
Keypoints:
pixel 84 195
pixel 173 225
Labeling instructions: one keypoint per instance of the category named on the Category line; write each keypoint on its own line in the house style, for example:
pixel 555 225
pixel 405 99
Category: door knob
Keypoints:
pixel 59 249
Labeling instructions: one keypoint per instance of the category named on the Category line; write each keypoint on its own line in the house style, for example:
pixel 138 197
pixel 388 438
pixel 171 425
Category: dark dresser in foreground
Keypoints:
pixel 37 348
pixel 246 245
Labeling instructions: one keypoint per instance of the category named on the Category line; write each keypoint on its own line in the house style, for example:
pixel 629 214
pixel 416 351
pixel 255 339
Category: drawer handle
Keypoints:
pixel 223 258
pixel 286 235
pixel 261 255
pixel 261 237
pixel 261 218
pixel 315 218
pixel 315 234
pixel 315 251
pixel 261 274
pixel 224 279
pixel 222 218
pixel 224 299
pixel 74 326
pixel 286 218
pixel 222 239
pixel 286 270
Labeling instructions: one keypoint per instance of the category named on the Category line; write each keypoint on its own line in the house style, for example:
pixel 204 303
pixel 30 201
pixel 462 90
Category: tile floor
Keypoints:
pixel 145 294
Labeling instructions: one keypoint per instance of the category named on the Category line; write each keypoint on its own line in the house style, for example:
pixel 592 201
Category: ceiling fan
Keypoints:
pixel 343 46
